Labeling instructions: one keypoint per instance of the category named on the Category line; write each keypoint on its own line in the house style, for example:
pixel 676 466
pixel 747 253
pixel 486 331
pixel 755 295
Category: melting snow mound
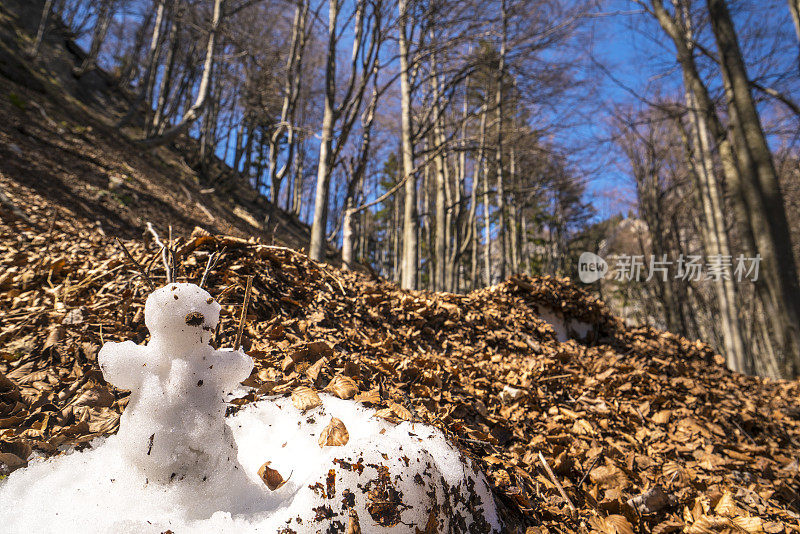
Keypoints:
pixel 396 478
pixel 177 464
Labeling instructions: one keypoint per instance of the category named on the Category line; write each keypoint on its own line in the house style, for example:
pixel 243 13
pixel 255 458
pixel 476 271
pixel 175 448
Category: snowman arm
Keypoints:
pixel 122 363
pixel 234 366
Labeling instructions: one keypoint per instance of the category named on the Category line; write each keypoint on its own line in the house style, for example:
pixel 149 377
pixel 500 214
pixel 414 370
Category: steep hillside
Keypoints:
pixel 61 153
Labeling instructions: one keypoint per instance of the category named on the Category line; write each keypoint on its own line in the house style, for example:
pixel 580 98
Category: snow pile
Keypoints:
pixel 175 464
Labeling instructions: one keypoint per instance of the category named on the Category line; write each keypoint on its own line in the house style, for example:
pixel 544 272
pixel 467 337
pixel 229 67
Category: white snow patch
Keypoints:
pixel 177 464
pixel 572 329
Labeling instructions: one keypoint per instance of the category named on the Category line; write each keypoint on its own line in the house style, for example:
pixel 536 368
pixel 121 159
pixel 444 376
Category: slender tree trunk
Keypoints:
pixel 498 158
pixel 130 64
pixel 487 228
pixel 319 226
pixel 462 225
pixel 238 146
pixel 166 78
pixel 440 246
pixel 149 75
pixel 525 248
pixel 48 7
pixel 764 197
pixel 715 235
pixel 409 266
pixel 291 90
pixel 794 8
pixel 713 226
pixel 298 170
pixel 347 235
pixel 513 212
pixel 98 37
pixel 202 91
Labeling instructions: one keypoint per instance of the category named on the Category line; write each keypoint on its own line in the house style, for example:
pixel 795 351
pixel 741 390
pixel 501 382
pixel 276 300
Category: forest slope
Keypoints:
pixel 61 153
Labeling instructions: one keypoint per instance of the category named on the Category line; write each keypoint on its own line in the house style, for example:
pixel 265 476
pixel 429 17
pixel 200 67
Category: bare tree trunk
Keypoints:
pixel 764 197
pixel 498 158
pixel 714 230
pixel 794 8
pixel 298 170
pixel 396 245
pixel 487 228
pixel 478 165
pixel 462 226
pixel 149 75
pixel 130 63
pixel 440 246
pixel 48 7
pixel 513 213
pixel 98 37
pixel 347 235
pixel 409 266
pixel 291 91
pixel 166 78
pixel 366 42
pixel 715 235
pixel 202 92
pixel 426 222
pixel 707 113
pixel 525 247
pixel 319 226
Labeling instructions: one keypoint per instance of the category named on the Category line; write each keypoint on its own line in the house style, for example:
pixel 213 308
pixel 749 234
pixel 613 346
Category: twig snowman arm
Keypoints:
pixel 122 364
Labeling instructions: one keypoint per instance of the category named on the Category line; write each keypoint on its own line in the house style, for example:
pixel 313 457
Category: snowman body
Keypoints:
pixel 174 425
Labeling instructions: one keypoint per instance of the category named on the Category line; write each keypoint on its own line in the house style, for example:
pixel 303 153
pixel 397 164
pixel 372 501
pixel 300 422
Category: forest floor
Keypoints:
pixel 627 430
pixel 644 431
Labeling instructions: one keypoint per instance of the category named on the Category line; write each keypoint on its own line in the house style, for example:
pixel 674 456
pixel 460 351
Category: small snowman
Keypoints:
pixel 174 425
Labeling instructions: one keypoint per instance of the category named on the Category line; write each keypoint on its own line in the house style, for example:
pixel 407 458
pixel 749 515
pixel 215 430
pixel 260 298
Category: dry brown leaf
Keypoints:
pixel 320 348
pixel 650 501
pixel 313 372
pixel 96 397
pixel 401 411
pixel 270 477
pixel 334 434
pixel 609 477
pixel 343 387
pixel 751 525
pixel 304 398
pixel 726 507
pixel 662 417
pixel 617 524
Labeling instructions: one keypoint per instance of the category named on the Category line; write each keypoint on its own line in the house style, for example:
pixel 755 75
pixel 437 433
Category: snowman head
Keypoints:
pixel 181 312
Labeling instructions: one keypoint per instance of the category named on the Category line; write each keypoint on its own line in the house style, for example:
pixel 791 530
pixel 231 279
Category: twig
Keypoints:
pixel 557 483
pixel 171 254
pixel 137 264
pixel 586 474
pixel 238 341
pixel 212 262
pixel 553 377
pixel 743 432
pixel 164 250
